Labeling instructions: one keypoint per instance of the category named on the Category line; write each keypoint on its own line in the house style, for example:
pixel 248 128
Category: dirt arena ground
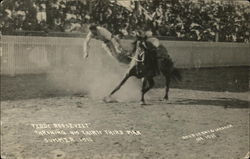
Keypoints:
pixel 206 118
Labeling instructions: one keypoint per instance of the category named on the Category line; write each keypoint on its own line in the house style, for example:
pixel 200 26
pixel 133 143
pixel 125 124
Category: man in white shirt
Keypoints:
pixel 110 43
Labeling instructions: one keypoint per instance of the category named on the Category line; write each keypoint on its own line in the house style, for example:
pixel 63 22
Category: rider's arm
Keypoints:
pixel 86 45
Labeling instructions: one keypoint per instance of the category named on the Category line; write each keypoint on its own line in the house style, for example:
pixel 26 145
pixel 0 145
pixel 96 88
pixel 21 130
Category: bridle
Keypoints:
pixel 140 54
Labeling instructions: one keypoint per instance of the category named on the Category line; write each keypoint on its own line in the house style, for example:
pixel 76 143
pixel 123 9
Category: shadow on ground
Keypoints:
pixel 32 86
pixel 222 102
pixel 231 79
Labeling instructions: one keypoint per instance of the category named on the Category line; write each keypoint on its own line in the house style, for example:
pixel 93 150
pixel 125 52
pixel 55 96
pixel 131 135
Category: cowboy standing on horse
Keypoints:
pixel 110 43
pixel 156 45
pixel 151 39
pixel 161 51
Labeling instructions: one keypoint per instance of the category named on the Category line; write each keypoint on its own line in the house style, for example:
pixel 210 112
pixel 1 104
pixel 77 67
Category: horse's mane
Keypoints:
pixel 135 42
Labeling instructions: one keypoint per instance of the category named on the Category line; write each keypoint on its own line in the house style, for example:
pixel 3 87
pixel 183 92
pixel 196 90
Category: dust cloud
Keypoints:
pixel 95 76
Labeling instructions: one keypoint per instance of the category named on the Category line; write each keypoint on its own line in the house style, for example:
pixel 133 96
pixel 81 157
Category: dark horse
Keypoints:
pixel 147 63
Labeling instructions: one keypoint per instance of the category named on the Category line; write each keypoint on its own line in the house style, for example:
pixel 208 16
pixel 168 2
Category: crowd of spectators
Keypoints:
pixel 202 20
pixel 182 19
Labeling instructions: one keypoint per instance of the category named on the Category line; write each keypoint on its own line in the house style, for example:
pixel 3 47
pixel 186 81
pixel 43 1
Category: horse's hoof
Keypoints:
pixel 108 99
pixel 105 99
pixel 142 103
pixel 165 99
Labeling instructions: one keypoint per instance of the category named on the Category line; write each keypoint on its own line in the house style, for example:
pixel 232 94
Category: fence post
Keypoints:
pixel 11 59
pixel 216 37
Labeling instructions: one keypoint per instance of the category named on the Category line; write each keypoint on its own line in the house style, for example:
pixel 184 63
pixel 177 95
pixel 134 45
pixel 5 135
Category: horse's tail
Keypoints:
pixel 176 75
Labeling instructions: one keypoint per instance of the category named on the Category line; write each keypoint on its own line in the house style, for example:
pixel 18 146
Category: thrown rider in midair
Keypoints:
pixel 110 43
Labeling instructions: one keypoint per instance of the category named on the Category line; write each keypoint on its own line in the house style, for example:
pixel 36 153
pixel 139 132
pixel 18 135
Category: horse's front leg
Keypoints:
pixel 125 78
pixel 145 89
pixel 108 98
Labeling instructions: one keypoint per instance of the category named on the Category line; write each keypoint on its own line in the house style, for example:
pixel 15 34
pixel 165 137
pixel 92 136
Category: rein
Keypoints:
pixel 134 58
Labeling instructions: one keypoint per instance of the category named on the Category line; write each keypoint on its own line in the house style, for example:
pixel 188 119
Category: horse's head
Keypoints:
pixel 140 48
pixel 141 40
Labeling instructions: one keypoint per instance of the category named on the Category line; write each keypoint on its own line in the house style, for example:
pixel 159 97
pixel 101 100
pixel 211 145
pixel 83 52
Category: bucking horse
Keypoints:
pixel 146 63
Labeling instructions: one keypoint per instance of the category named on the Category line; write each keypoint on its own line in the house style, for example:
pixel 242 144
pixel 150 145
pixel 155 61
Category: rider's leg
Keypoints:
pixel 109 51
pixel 116 45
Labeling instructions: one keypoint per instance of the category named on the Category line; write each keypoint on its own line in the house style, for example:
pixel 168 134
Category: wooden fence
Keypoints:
pixel 32 54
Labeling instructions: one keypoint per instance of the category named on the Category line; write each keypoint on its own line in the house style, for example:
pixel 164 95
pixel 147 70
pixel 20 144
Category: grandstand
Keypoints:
pixel 205 20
